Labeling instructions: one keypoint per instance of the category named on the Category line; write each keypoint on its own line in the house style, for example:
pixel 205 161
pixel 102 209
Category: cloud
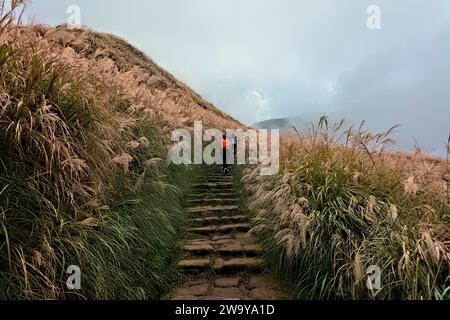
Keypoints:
pixel 260 104
pixel 404 84
pixel 260 59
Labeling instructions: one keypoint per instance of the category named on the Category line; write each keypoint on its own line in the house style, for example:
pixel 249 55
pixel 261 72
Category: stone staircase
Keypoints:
pixel 221 260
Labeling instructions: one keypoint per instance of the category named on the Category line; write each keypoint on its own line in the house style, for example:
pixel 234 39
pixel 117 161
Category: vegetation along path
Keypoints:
pixel 221 260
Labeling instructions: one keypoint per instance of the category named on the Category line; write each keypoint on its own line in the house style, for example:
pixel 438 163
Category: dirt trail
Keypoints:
pixel 221 260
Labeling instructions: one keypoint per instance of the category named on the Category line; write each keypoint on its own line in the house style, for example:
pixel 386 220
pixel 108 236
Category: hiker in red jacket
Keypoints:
pixel 225 145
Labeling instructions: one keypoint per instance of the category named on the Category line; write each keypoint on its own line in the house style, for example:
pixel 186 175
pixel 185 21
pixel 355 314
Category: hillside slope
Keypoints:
pixel 85 120
pixel 137 73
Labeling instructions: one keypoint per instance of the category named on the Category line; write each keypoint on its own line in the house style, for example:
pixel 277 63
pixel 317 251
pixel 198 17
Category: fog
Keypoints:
pixel 262 59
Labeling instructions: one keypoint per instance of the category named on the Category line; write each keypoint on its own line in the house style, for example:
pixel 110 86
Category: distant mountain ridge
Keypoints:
pixel 281 123
pixel 300 122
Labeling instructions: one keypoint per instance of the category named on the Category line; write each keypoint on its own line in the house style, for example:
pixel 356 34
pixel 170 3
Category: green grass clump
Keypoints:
pixel 337 208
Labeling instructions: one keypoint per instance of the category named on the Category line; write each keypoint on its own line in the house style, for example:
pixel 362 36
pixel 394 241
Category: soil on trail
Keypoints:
pixel 222 261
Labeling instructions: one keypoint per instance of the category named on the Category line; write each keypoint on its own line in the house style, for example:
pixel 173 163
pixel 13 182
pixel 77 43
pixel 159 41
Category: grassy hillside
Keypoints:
pixel 84 180
pixel 341 204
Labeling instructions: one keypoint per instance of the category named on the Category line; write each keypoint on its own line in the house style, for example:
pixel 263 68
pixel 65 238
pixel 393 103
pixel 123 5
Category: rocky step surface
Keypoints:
pixel 217 229
pixel 216 185
pixel 240 287
pixel 218 220
pixel 201 247
pixel 217 208
pixel 222 264
pixel 199 196
pixel 227 200
pixel 221 260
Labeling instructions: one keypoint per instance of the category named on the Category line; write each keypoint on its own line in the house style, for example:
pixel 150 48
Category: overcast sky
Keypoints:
pixel 261 59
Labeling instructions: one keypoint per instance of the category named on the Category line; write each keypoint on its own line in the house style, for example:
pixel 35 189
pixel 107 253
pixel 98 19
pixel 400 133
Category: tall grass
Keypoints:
pixel 338 207
pixel 81 179
pixel 447 176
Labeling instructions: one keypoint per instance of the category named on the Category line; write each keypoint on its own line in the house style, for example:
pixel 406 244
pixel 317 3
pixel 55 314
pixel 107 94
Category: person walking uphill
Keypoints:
pixel 225 144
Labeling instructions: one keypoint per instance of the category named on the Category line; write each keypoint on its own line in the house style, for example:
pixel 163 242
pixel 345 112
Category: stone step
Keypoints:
pixel 238 264
pixel 213 209
pixel 195 264
pixel 213 201
pixel 218 180
pixel 222 184
pixel 221 228
pixel 243 237
pixel 213 185
pixel 213 191
pixel 212 195
pixel 229 248
pixel 256 287
pixel 216 172
pixel 221 264
pixel 219 175
pixel 218 214
pixel 219 220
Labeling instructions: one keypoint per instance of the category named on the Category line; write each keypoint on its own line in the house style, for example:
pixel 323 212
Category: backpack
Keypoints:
pixel 225 144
